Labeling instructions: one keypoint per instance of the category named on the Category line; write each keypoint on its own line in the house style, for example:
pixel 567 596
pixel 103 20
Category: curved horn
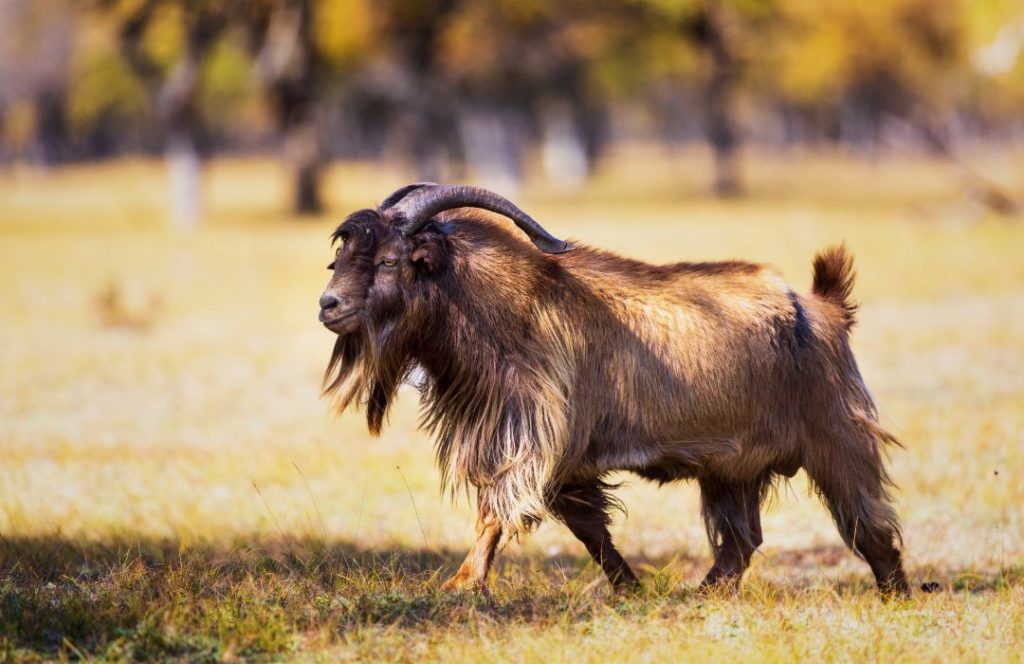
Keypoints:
pixel 399 194
pixel 417 207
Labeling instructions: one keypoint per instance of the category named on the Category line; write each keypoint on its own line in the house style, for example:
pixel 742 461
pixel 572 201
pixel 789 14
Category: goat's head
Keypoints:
pixel 389 262
pixel 383 253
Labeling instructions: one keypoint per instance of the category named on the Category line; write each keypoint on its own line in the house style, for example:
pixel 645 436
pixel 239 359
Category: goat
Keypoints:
pixel 545 370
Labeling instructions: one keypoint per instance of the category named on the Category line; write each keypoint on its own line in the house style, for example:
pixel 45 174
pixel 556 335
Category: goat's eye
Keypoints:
pixel 337 255
pixel 389 262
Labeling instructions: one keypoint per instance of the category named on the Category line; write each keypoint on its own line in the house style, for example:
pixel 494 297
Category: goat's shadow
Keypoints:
pixel 56 590
pixel 26 561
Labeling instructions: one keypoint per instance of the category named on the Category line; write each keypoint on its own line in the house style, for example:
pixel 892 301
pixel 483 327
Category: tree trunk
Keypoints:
pixel 302 147
pixel 173 96
pixel 307 190
pixel 721 102
pixel 185 182
pixel 563 151
pixel 286 61
pixel 433 117
pixel 492 140
pixel 51 127
pixel 426 144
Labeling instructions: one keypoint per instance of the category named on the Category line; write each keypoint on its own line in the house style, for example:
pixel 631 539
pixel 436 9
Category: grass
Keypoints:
pixel 171 486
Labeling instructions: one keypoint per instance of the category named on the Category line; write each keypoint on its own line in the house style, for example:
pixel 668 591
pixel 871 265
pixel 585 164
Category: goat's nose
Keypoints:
pixel 328 301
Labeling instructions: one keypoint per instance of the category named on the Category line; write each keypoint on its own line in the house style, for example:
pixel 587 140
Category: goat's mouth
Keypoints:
pixel 336 322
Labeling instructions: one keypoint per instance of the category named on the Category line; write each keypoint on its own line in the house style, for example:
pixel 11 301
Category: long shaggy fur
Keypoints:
pixel 543 372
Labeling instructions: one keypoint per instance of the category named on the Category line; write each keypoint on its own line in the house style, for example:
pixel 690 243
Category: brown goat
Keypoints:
pixel 545 370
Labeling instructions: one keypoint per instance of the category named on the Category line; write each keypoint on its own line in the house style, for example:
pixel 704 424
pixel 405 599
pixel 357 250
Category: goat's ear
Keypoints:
pixel 427 255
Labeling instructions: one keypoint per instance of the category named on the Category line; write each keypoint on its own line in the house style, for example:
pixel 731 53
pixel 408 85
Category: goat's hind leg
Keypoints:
pixel 856 495
pixel 732 517
pixel 584 509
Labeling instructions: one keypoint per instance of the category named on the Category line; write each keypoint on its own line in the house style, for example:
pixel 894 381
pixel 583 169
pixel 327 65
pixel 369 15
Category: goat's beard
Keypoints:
pixel 499 428
pixel 366 368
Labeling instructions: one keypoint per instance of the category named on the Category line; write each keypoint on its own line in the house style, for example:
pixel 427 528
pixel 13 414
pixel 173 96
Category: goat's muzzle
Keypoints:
pixel 333 315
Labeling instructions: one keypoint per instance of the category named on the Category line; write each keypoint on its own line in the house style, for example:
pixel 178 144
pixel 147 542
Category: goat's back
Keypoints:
pixel 697 359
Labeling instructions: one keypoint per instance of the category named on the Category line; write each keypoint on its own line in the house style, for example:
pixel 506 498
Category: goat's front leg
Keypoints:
pixel 472 574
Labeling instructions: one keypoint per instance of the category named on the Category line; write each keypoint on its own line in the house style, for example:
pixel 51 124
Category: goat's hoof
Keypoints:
pixel 455 585
pixel 895 593
pixel 463 584
pixel 626 589
pixel 723 586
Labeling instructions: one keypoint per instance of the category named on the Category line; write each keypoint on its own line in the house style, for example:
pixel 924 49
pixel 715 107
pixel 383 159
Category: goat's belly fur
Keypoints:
pixel 730 458
pixel 676 460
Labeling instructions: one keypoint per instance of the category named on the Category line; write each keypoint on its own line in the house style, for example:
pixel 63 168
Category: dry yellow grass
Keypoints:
pixel 172 486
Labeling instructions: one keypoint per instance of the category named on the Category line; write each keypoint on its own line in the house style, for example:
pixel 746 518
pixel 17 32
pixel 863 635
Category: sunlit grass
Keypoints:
pixel 171 484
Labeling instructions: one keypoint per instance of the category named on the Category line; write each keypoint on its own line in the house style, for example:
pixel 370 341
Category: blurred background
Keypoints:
pixel 170 171
pixel 495 89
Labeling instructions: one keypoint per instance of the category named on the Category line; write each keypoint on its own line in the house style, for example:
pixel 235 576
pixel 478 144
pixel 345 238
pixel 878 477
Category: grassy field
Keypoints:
pixel 171 485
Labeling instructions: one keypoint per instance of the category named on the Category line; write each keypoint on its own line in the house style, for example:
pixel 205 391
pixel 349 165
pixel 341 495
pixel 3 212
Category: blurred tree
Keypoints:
pixel 524 69
pixel 725 37
pixel 281 36
pixel 413 31
pixel 716 30
pixel 165 43
pixel 308 54
pixel 995 32
pixel 882 64
pixel 479 83
pixel 869 60
pixel 107 106
pixel 35 64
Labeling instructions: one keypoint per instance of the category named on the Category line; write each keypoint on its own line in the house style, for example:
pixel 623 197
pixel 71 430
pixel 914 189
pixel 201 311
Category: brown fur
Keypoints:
pixel 543 373
pixel 833 281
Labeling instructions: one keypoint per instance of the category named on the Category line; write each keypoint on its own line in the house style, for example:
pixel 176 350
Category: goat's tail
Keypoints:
pixel 833 280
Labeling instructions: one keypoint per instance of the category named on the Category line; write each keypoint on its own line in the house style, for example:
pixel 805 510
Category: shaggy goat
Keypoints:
pixel 545 370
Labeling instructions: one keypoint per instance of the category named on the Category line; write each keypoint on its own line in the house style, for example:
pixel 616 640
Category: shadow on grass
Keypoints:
pixel 145 599
pixel 133 598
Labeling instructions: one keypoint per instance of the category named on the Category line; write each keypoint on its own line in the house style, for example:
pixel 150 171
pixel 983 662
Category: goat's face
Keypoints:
pixel 394 280
pixel 390 257
pixel 375 268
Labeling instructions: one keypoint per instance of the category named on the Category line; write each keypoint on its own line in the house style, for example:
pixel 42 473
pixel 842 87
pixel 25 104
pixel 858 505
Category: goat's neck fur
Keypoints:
pixel 499 419
pixel 498 415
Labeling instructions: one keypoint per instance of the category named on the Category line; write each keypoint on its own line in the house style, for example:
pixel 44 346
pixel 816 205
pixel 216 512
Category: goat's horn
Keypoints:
pixel 399 194
pixel 415 209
